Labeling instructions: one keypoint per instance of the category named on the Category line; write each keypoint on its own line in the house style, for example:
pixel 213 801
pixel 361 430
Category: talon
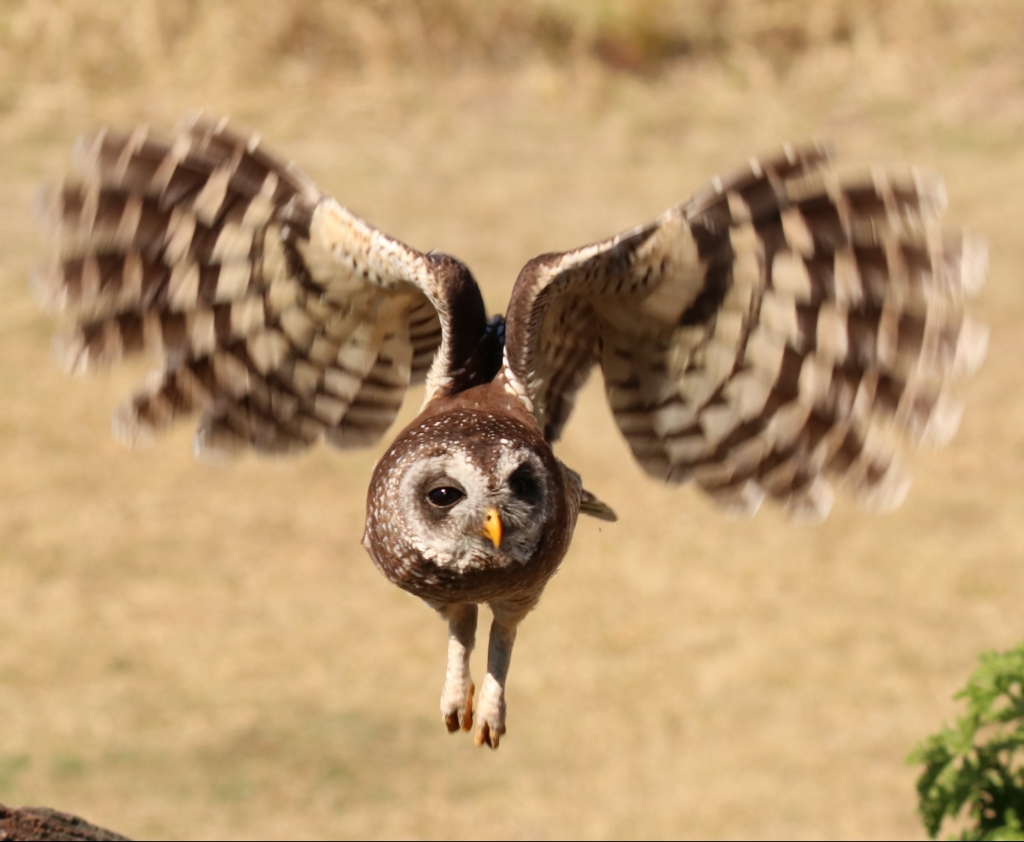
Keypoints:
pixel 466 719
pixel 460 719
pixel 486 734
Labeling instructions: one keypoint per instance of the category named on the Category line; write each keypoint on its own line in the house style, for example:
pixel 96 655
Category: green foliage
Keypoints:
pixel 975 771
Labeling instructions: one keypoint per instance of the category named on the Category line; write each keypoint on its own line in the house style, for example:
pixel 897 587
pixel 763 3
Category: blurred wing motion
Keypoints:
pixel 780 328
pixel 279 314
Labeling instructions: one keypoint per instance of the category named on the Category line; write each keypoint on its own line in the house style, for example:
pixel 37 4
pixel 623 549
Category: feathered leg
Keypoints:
pixel 457 696
pixel 490 707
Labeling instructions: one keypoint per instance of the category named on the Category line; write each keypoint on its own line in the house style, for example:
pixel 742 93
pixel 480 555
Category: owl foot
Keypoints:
pixel 457 695
pixel 490 713
pixel 457 709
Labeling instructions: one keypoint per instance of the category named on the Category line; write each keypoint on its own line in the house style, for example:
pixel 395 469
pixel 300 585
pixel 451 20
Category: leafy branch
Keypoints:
pixel 974 772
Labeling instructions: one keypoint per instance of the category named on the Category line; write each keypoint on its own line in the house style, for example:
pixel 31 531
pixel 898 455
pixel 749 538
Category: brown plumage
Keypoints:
pixel 780 331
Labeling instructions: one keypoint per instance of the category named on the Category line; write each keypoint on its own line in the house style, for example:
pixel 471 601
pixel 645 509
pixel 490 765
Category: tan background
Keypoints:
pixel 194 651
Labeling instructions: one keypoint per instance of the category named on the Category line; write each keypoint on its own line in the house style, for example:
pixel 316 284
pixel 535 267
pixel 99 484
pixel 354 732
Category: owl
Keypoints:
pixel 780 332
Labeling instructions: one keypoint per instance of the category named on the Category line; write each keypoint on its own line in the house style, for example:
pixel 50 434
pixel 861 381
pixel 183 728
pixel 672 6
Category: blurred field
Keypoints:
pixel 198 652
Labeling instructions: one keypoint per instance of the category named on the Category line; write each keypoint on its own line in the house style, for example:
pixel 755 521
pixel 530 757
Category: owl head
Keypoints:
pixel 463 492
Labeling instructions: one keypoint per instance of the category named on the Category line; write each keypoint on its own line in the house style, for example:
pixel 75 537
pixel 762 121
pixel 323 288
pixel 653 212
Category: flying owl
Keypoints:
pixel 780 331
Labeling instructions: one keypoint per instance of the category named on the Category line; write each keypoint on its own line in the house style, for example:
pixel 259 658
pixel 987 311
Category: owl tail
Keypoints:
pixel 590 505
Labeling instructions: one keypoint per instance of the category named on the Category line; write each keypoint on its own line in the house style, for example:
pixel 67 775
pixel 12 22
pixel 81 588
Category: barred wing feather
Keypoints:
pixel 278 314
pixel 780 330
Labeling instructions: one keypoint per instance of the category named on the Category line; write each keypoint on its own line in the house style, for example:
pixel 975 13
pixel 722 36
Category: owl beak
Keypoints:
pixel 491 528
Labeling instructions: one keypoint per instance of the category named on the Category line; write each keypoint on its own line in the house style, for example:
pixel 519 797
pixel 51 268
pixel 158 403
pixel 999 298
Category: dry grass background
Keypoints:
pixel 198 652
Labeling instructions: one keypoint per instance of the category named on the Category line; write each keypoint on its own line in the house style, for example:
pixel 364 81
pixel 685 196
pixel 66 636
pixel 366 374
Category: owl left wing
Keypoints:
pixel 277 313
pixel 780 329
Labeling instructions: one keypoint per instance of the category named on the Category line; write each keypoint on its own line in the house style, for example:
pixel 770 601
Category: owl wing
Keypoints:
pixel 277 313
pixel 780 329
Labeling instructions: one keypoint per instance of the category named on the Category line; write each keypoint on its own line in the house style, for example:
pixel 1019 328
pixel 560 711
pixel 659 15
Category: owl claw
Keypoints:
pixel 488 735
pixel 460 717
pixel 490 713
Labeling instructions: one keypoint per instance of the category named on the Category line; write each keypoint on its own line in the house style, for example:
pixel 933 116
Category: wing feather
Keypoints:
pixel 781 329
pixel 279 314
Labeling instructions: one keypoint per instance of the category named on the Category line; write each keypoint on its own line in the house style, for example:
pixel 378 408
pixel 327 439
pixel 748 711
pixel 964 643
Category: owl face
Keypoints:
pixel 463 493
pixel 467 508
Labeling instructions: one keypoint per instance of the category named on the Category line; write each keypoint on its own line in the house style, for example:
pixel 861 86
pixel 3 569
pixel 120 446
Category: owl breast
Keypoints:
pixel 470 505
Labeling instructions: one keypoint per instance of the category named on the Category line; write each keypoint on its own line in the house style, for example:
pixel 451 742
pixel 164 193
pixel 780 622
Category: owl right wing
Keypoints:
pixel 277 313
pixel 780 329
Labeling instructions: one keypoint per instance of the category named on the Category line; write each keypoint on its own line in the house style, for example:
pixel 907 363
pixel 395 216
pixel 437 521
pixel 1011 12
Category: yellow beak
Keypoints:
pixel 492 526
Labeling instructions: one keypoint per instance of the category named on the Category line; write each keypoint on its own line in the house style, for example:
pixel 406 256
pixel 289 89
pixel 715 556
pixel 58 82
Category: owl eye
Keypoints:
pixel 445 496
pixel 523 484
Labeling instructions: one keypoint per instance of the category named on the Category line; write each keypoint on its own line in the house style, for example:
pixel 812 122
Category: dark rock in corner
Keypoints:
pixel 36 823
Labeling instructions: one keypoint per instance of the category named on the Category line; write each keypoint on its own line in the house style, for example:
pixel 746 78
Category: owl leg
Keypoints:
pixel 457 696
pixel 490 707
